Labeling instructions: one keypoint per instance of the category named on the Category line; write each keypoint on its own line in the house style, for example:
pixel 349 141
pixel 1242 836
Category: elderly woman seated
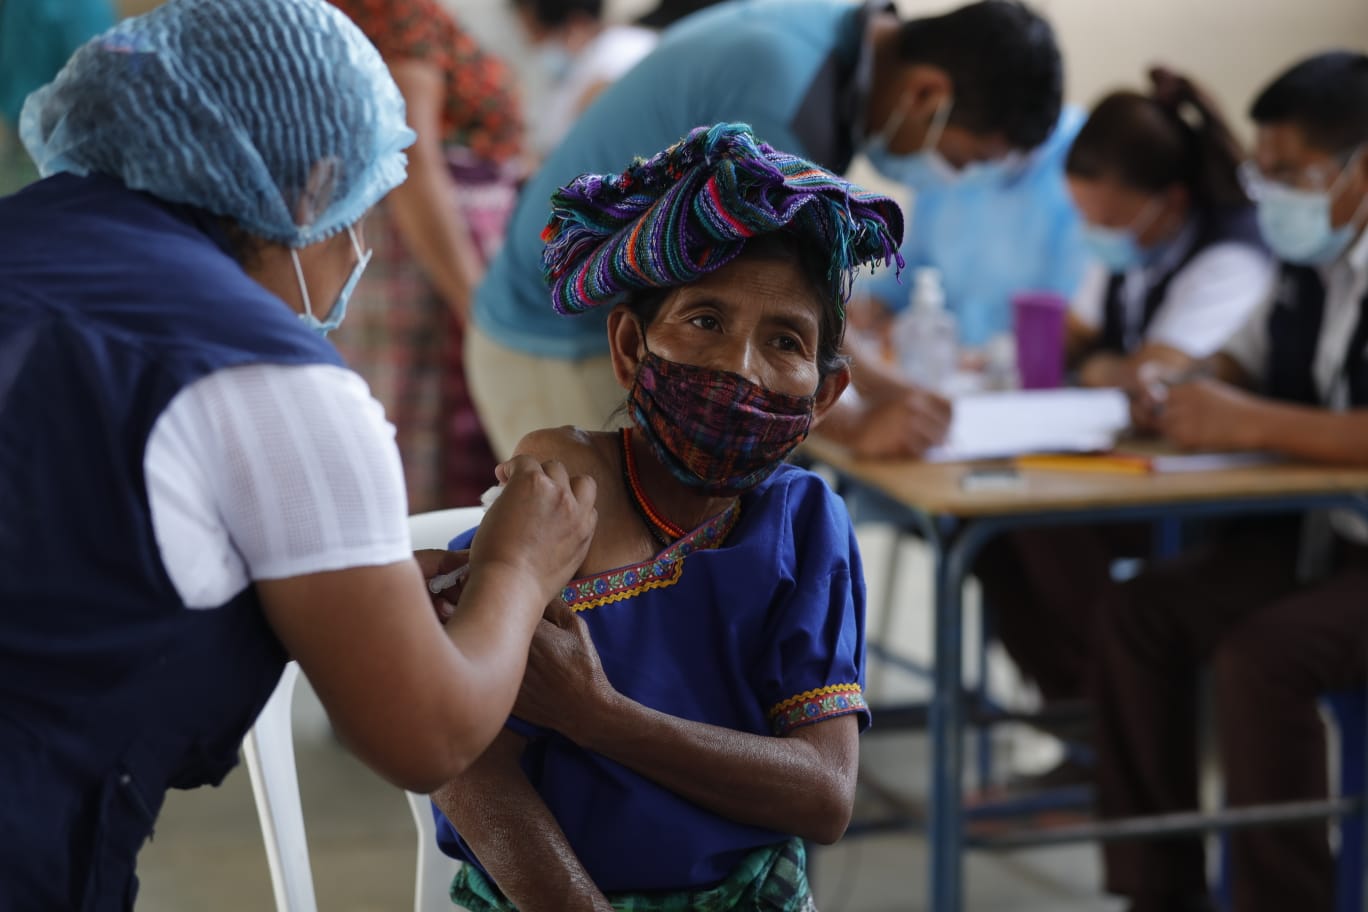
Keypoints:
pixel 690 713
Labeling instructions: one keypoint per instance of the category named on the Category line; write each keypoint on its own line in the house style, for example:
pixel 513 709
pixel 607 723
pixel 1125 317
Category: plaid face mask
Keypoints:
pixel 716 430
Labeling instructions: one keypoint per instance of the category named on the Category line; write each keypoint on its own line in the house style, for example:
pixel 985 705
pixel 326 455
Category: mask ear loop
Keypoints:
pixel 363 258
pixel 303 287
pixel 1349 166
pixel 895 120
pixel 1146 218
pixel 938 122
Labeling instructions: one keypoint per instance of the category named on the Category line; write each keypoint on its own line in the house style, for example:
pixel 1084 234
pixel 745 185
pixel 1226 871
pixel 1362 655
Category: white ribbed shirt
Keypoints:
pixel 267 471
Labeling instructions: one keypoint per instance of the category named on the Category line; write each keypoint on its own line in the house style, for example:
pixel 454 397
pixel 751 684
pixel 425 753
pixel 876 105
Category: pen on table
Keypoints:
pixel 1112 463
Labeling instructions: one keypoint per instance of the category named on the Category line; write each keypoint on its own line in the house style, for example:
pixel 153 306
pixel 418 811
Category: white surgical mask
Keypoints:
pixel 1296 224
pixel 339 308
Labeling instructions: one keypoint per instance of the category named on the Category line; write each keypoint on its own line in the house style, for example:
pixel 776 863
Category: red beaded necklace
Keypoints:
pixel 660 527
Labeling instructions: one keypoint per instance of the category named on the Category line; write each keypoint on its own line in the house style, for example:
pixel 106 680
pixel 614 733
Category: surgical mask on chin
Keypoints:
pixel 918 170
pixel 1297 227
pixel 339 308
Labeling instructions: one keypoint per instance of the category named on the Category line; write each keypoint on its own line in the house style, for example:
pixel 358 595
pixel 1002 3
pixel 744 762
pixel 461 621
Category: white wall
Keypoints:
pixel 1233 47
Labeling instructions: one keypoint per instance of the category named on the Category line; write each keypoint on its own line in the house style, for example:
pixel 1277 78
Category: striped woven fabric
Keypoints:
pixel 689 210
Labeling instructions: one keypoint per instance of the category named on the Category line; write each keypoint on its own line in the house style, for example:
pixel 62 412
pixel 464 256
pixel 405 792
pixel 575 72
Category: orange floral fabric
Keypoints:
pixel 481 112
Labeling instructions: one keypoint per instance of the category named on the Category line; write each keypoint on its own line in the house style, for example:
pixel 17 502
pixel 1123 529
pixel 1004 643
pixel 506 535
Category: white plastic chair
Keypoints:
pixel 268 752
pixel 432 886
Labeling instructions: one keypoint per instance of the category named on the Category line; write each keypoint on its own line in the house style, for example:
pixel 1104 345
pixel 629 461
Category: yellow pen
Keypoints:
pixel 1057 462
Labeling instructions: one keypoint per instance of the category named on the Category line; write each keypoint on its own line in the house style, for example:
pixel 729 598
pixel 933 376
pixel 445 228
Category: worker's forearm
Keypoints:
pixel 1313 434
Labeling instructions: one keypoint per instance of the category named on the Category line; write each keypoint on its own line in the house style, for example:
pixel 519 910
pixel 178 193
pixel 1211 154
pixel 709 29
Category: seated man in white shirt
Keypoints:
pixel 1277 609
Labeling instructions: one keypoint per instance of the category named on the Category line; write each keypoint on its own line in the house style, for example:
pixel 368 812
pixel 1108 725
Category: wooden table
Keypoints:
pixel 958 522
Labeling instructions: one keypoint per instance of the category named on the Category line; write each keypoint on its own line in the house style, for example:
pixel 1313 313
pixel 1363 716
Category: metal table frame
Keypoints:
pixel 955 543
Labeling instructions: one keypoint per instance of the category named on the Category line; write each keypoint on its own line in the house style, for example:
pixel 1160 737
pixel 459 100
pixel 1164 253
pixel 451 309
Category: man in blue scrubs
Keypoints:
pixel 992 232
pixel 820 78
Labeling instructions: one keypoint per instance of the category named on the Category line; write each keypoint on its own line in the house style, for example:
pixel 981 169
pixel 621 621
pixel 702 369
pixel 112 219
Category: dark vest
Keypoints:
pixel 1238 225
pixel 1294 326
pixel 111 690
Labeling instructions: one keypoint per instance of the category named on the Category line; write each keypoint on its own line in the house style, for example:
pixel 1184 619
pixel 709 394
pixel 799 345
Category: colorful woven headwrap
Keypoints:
pixel 687 211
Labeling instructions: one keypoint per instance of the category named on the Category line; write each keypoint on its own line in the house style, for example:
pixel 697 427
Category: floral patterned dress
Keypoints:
pixel 399 334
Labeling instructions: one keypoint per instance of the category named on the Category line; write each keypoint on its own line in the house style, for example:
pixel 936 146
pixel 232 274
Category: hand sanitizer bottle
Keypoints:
pixel 925 334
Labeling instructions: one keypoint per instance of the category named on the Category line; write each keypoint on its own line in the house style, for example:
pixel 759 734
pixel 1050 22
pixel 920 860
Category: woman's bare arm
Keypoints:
pixel 513 834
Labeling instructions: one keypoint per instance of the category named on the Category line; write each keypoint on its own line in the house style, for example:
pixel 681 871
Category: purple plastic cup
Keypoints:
pixel 1038 322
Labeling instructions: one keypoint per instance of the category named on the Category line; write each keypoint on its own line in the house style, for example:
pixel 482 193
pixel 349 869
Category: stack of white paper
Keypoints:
pixel 1005 424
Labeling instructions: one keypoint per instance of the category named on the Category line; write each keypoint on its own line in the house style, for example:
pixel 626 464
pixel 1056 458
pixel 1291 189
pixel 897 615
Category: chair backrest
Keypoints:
pixel 432 884
pixel 268 752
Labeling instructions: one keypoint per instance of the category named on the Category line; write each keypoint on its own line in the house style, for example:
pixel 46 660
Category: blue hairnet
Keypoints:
pixel 276 113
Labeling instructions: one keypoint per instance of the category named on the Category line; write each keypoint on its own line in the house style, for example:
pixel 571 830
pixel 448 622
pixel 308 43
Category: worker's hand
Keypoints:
pixel 539 527
pixel 1211 415
pixel 564 687
pixel 438 566
pixel 1147 391
pixel 868 316
pixel 901 427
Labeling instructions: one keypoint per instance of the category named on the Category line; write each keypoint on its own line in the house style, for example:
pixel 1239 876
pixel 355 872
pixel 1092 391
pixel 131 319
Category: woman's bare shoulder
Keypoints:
pixel 582 452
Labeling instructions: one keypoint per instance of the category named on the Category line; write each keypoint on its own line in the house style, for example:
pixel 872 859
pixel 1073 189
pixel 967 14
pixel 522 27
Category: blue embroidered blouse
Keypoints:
pixel 754 621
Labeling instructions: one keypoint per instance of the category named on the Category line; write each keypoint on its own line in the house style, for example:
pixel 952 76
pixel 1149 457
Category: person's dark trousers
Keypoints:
pixel 1273 648
pixel 1042 587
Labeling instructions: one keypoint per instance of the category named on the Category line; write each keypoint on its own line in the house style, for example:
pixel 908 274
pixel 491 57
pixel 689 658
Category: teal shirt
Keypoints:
pixel 36 39
pixel 788 68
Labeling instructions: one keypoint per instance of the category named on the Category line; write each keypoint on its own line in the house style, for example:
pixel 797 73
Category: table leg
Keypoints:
pixel 947 726
pixel 954 557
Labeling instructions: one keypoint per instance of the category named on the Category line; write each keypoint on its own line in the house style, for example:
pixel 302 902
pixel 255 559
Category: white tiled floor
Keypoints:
pixel 207 853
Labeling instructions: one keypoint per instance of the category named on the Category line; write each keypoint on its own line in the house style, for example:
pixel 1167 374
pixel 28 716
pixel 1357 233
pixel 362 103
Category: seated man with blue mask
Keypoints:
pixel 1275 609
pixel 822 78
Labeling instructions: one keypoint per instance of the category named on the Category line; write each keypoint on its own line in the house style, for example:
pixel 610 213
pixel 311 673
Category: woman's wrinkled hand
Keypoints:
pixel 564 687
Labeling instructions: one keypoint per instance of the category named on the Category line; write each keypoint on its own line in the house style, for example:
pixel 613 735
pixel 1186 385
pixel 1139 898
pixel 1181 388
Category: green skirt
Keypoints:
pixel 772 879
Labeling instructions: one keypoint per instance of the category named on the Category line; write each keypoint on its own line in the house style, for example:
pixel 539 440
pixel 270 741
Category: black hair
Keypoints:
pixel 811 260
pixel 243 246
pixel 1004 64
pixel 555 13
pixel 1175 135
pixel 1325 96
pixel 667 12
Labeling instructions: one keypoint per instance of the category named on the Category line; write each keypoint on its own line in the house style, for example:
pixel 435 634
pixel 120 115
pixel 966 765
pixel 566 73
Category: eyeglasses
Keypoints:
pixel 1318 178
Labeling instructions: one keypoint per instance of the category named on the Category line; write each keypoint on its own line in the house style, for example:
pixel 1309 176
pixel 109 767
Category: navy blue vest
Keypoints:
pixel 111 690
pixel 1239 225
pixel 1294 326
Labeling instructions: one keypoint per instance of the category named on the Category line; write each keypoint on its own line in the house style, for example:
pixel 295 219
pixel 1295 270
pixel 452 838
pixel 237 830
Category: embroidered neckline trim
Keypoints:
pixel 663 570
